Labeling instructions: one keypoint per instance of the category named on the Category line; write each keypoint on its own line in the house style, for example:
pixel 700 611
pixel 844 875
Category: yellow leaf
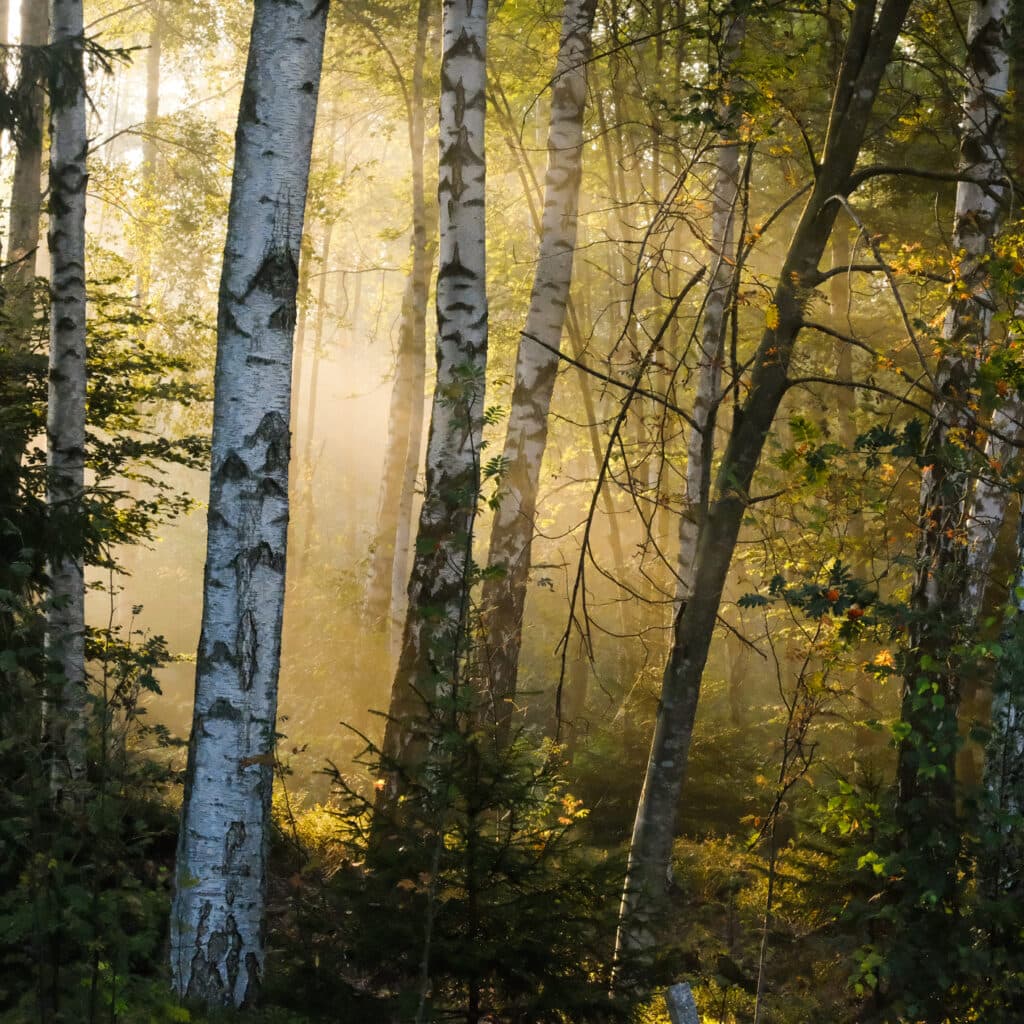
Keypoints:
pixel 771 317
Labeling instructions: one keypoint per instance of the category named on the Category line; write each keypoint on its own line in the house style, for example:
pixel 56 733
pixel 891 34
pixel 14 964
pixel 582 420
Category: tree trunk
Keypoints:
pixel 434 628
pixel 389 565
pixel 65 420
pixel 511 542
pixel 931 692
pixel 866 55
pixel 23 241
pixel 701 443
pixel 217 917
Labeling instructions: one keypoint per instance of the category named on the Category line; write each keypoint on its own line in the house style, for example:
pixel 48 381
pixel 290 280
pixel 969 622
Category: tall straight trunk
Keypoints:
pixel 869 44
pixel 927 757
pixel 22 243
pixel 149 144
pixel 1001 867
pixel 701 442
pixel 434 627
pixel 65 419
pixel 26 188
pixel 153 54
pixel 389 564
pixel 504 596
pixel 217 919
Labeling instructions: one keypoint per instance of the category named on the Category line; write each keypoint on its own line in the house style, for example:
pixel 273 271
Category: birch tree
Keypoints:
pixel 948 570
pixel 504 592
pixel 429 660
pixel 65 419
pixel 217 919
pixel 869 44
pixel 700 443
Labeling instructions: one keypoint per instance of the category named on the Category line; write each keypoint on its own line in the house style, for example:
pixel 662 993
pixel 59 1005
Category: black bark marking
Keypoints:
pixel 465 46
pixel 248 650
pixel 222 708
pixel 278 275
pixel 283 318
pixel 233 468
pixel 455 268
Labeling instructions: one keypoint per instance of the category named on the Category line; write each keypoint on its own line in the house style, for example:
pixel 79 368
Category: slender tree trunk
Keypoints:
pixel 1001 867
pixel 217 923
pixel 65 420
pixel 869 44
pixel 389 566
pixel 428 665
pixel 927 757
pixel 701 443
pixel 23 241
pixel 149 143
pixel 504 596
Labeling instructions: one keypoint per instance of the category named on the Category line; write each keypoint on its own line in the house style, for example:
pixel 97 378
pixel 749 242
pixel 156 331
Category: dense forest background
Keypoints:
pixel 774 526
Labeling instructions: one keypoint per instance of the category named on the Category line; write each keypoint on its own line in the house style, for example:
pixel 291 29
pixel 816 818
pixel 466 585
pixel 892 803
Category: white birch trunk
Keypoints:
pixel 428 664
pixel 504 597
pixel 65 419
pixel 1004 764
pixel 942 557
pixel 700 444
pixel 216 946
pixel 988 504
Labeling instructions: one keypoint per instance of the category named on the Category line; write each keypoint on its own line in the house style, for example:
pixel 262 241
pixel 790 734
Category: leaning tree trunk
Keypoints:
pixel 434 627
pixel 65 419
pixel 389 564
pixel 504 595
pixel 217 926
pixel 700 444
pixel 869 45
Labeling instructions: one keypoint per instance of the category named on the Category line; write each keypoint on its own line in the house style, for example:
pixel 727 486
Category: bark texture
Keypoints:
pixel 927 757
pixel 869 45
pixel 511 541
pixel 700 444
pixel 428 664
pixel 217 916
pixel 23 242
pixel 65 419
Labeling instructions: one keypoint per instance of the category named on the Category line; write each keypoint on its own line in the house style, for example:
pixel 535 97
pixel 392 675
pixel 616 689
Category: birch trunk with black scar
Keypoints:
pixel 942 555
pixel 22 244
pixel 216 945
pixel 66 716
pixel 511 542
pixel 701 442
pixel 869 44
pixel 389 565
pixel 429 660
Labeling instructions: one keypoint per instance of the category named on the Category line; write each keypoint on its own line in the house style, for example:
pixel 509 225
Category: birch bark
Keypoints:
pixel 428 664
pixel 700 444
pixel 216 946
pixel 868 47
pixel 65 419
pixel 511 542
pixel 927 757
